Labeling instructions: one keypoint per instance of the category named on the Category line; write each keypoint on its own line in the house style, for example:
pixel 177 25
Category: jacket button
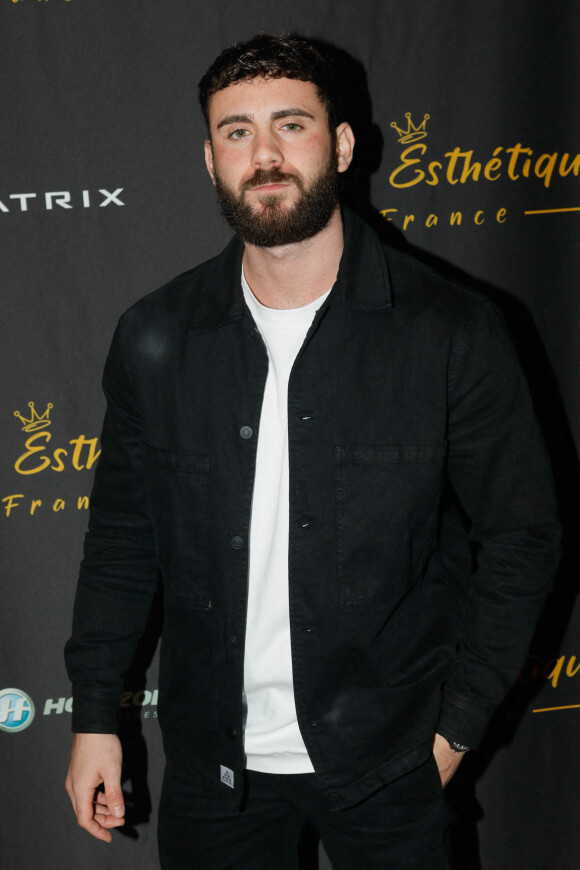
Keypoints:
pixel 304 524
pixel 314 724
pixel 237 542
pixel 232 733
pixel 232 641
pixel 246 432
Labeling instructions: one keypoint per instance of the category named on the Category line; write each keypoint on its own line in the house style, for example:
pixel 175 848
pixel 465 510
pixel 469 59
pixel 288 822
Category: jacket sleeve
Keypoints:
pixel 501 474
pixel 119 572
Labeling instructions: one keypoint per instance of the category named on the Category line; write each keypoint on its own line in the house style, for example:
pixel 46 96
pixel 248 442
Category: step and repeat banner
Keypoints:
pixel 468 155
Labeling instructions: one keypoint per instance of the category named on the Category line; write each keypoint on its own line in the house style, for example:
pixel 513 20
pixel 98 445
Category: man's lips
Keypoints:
pixel 266 181
pixel 273 186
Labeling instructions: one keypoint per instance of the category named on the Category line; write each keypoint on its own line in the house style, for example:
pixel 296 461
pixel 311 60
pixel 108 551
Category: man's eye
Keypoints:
pixel 292 126
pixel 238 134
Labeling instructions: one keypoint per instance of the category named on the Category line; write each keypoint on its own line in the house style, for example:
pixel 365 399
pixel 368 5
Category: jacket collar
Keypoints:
pixel 362 282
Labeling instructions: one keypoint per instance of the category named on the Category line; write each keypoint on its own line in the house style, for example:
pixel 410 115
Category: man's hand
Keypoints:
pixel 447 760
pixel 95 763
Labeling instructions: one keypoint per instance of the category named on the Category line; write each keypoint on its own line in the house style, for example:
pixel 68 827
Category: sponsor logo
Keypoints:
pixel 412 133
pixel 16 710
pixel 460 166
pixel 35 421
pixel 130 700
pixel 37 458
pixel 53 200
pixel 40 456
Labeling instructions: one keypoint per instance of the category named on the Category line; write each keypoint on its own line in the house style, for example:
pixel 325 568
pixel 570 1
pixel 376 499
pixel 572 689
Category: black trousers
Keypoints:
pixel 400 827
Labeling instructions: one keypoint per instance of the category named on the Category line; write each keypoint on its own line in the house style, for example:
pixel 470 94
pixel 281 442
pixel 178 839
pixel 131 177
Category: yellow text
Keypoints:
pixel 459 167
pixel 37 458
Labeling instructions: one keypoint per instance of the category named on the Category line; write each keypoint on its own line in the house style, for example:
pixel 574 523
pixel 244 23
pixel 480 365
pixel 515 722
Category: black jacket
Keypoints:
pixel 412 445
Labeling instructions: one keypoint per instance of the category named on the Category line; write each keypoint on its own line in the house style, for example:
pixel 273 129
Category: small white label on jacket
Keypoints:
pixel 226 776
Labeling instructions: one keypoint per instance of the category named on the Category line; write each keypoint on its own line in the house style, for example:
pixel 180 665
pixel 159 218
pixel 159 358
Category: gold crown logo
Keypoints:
pixel 412 133
pixel 35 422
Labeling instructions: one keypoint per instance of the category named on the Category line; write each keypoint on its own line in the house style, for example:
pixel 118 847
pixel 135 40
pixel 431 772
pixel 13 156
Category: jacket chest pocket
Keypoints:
pixel 387 505
pixel 178 493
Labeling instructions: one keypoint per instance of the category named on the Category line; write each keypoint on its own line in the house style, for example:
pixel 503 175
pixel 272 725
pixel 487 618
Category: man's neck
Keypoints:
pixel 291 276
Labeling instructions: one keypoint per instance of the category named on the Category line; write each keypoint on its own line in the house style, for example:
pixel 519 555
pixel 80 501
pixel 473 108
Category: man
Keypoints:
pixel 330 453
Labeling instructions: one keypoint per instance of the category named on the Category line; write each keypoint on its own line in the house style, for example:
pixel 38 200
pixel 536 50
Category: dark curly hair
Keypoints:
pixel 267 56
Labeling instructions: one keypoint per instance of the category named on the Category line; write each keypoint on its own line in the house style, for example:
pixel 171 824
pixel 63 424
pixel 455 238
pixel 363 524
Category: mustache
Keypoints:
pixel 270 176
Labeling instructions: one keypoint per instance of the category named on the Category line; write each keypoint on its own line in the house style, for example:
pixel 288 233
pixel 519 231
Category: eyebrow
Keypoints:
pixel 293 112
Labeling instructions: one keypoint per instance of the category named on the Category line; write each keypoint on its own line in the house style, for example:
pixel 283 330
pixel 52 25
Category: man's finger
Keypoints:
pixel 110 822
pixel 114 798
pixel 86 817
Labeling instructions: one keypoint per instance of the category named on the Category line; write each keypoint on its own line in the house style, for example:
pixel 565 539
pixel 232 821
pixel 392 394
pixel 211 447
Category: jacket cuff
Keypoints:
pixel 95 711
pixel 464 720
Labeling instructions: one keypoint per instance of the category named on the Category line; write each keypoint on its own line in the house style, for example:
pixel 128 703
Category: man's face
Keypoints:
pixel 273 160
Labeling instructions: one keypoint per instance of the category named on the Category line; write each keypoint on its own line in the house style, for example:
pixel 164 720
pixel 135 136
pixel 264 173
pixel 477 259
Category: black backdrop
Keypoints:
pixel 104 196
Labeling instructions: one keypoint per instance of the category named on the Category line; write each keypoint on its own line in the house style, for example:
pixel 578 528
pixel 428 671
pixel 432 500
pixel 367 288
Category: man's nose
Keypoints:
pixel 266 152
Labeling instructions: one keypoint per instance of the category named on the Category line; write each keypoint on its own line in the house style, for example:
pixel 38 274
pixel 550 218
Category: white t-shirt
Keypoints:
pixel 273 743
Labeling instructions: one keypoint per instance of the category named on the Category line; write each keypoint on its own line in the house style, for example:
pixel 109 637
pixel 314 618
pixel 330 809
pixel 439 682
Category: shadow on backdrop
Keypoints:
pixel 464 810
pixel 135 754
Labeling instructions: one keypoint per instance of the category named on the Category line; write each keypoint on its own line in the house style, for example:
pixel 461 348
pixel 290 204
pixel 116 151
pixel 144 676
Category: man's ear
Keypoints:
pixel 344 146
pixel 209 160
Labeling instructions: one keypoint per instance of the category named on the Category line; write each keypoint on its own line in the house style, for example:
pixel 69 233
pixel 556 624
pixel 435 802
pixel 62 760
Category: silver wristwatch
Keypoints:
pixel 457 747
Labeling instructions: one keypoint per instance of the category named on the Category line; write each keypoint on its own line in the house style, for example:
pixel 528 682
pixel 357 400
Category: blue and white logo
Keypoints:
pixel 16 710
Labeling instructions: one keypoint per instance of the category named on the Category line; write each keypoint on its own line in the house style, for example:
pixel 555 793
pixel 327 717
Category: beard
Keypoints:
pixel 275 224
